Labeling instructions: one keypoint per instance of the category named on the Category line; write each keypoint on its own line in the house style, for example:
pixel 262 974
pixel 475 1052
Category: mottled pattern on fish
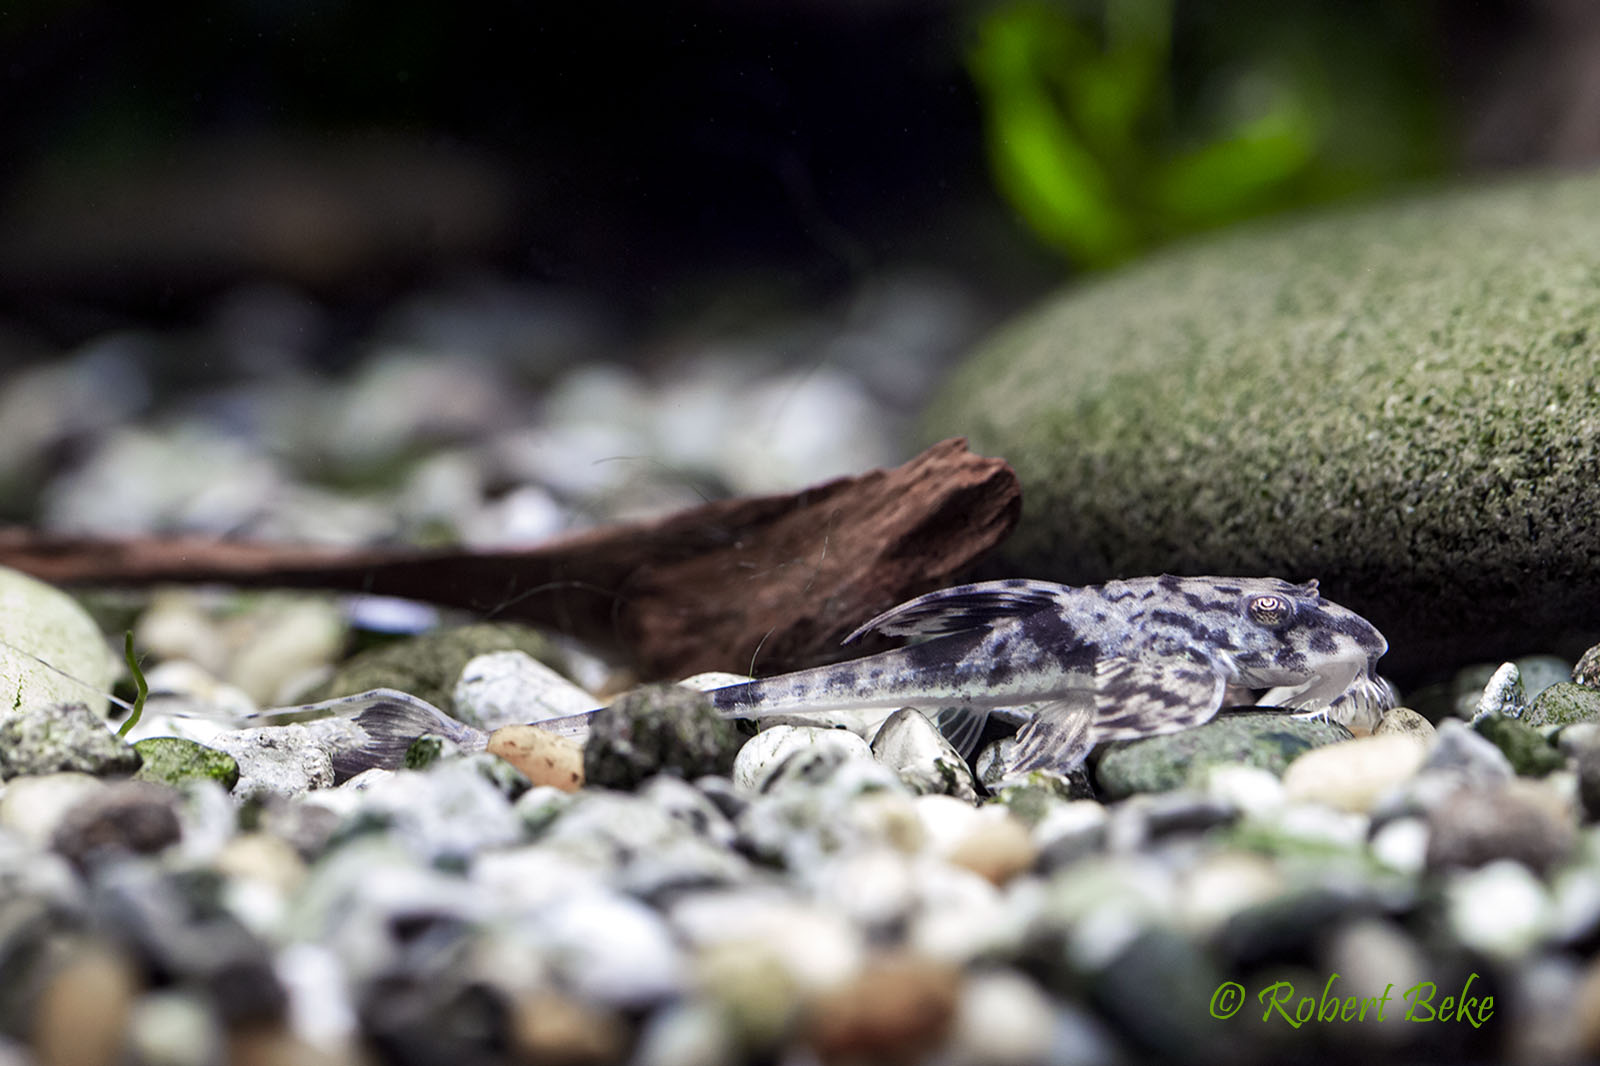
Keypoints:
pixel 1117 661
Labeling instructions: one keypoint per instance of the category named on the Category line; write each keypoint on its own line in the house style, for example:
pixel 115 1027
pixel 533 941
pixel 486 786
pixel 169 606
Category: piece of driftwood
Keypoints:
pixel 757 584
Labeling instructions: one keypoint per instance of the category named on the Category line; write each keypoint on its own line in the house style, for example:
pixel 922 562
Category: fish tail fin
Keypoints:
pixel 389 721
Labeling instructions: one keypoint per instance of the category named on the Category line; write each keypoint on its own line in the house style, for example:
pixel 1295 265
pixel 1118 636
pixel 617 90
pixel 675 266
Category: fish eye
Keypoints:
pixel 1268 610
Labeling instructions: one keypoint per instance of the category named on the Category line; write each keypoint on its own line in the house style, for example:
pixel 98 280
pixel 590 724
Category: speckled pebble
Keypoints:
pixel 276 760
pixel 912 746
pixel 780 751
pixel 1587 670
pixel 1502 694
pixel 1403 721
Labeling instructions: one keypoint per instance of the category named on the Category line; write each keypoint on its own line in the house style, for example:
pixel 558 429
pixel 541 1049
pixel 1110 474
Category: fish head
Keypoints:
pixel 1307 651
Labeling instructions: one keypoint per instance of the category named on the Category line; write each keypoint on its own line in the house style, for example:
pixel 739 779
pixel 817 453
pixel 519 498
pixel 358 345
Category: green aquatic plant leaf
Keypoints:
pixel 139 683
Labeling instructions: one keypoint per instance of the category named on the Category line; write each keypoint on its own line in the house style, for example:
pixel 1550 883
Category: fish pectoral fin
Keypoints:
pixel 963 607
pixel 1142 697
pixel 1057 738
pixel 962 727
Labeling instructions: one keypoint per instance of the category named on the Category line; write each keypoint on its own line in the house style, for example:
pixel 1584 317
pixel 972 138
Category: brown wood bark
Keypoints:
pixel 756 584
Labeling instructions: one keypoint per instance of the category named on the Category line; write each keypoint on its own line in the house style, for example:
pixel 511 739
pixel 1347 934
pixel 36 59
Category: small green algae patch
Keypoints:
pixel 174 760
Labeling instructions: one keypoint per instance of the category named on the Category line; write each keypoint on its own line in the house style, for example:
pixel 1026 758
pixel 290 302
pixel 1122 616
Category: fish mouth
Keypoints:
pixel 1359 704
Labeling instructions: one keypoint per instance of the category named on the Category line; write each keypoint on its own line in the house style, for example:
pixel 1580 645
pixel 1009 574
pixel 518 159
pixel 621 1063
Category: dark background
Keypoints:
pixel 667 156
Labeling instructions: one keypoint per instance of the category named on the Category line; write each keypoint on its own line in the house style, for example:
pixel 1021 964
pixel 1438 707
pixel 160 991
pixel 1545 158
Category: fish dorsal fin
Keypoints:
pixel 1145 696
pixel 962 727
pixel 963 607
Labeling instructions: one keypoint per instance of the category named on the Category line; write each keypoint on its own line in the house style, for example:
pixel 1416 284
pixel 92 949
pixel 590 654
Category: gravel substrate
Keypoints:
pixel 804 896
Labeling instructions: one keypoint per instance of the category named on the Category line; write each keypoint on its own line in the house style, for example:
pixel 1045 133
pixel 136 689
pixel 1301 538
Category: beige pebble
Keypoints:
pixel 1352 776
pixel 997 850
pixel 548 1027
pixel 263 857
pixel 82 1012
pixel 546 758
pixel 1403 721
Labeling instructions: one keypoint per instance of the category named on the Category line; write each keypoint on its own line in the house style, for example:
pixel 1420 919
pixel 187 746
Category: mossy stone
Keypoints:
pixel 1268 739
pixel 1563 704
pixel 61 737
pixel 428 665
pixel 1399 399
pixel 174 760
pixel 658 729
pixel 1523 746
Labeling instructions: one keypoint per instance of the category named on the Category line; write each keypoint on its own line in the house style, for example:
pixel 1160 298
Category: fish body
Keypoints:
pixel 1126 659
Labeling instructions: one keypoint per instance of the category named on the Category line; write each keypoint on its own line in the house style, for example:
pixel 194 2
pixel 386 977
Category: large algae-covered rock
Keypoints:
pixel 50 649
pixel 1401 400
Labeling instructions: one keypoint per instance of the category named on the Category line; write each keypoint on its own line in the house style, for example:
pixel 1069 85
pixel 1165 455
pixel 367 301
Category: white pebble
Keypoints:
pixel 1251 789
pixel 513 688
pixel 1002 1018
pixel 1402 845
pixel 765 752
pixel 1500 909
pixel 1352 776
pixel 32 807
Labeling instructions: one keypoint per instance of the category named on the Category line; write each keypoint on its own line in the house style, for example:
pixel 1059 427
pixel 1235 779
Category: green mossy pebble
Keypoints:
pixel 1564 703
pixel 174 760
pixel 1268 739
pixel 658 729
pixel 61 737
pixel 1529 753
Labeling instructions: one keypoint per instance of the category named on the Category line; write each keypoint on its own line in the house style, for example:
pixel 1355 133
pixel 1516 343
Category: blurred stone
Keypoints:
pixel 82 1011
pixel 547 1027
pixel 1524 746
pixel 896 1008
pixel 1520 820
pixel 133 817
